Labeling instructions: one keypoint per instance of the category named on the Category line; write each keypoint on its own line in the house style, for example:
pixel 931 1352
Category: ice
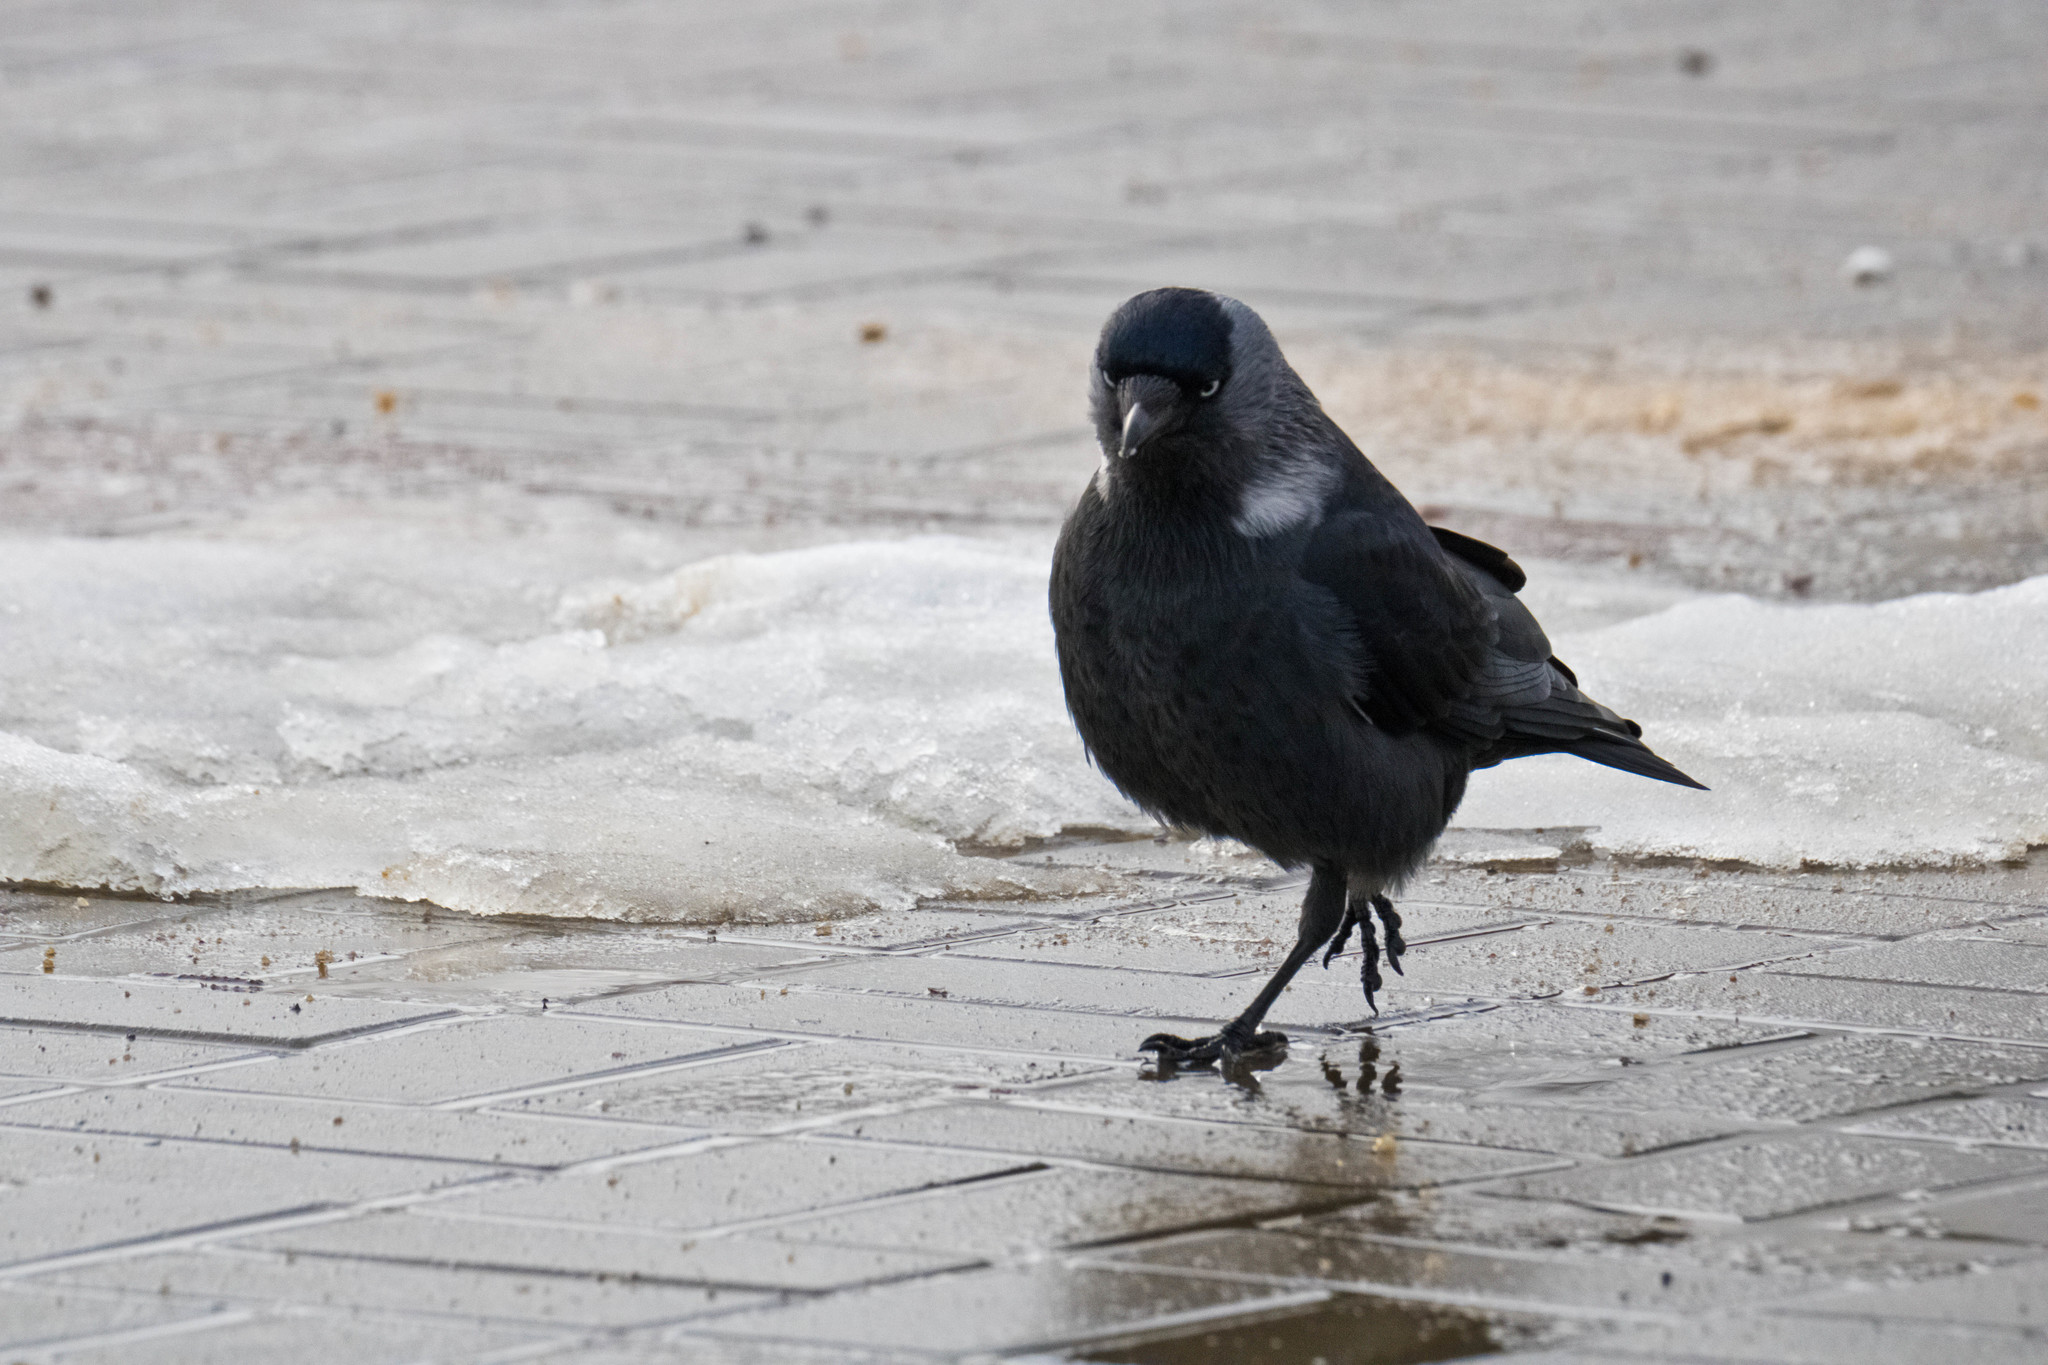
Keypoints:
pixel 511 725
pixel 798 734
pixel 1903 733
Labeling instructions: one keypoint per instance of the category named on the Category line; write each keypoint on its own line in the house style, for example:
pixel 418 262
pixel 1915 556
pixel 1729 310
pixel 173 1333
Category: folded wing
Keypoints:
pixel 1447 647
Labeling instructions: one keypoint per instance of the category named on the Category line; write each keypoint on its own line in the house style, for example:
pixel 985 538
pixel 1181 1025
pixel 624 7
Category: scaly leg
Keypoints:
pixel 1322 912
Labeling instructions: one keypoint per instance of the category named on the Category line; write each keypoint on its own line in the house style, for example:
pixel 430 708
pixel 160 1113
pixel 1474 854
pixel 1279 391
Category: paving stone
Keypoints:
pixel 2034 931
pixel 272 941
pixel 1226 1149
pixel 1810 1079
pixel 1792 1001
pixel 1879 905
pixel 506 1139
pixel 659 1348
pixel 1997 1122
pixel 1058 1207
pixel 32 1315
pixel 1043 1306
pixel 563 967
pixel 897 1019
pixel 2013 1295
pixel 44 916
pixel 471 1062
pixel 97 1058
pixel 1973 962
pixel 1565 956
pixel 233 1336
pixel 429 1236
pixel 194 1011
pixel 71 1193
pixel 893 929
pixel 1800 1341
pixel 269 1280
pixel 2017 1215
pixel 720 1186
pixel 1294 1100
pixel 803 1084
pixel 1540 1283
pixel 1769 1176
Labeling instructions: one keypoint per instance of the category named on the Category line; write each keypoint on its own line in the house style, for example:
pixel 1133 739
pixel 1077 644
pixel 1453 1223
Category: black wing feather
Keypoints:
pixel 1448 647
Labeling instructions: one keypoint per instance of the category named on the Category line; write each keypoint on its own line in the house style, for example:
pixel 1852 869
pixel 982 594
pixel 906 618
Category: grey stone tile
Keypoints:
pixel 1881 905
pixel 1044 1305
pixel 1567 956
pixel 1770 1176
pixel 1246 932
pixel 496 1137
pixel 1223 1149
pixel 1790 1001
pixel 272 941
pixel 2014 1295
pixel 196 1012
pixel 1059 1207
pixel 1812 1079
pixel 1297 1100
pixel 720 1186
pixel 472 1061
pixel 32 1315
pixel 72 1193
pixel 271 1280
pixel 2006 1214
pixel 660 1347
pixel 2034 931
pixel 234 1336
pixel 1982 963
pixel 96 1058
pixel 428 1236
pixel 1994 1122
pixel 1526 1281
pixel 43 915
pixel 803 1084
pixel 1752 1338
pixel 806 1012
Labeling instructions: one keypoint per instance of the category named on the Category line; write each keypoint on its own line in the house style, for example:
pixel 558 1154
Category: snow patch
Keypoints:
pixel 822 731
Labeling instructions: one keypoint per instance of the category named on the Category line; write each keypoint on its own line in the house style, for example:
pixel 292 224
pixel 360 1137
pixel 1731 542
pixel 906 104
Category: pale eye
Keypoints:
pixel 1209 389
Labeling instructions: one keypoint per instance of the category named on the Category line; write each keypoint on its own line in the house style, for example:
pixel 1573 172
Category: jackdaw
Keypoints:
pixel 1260 638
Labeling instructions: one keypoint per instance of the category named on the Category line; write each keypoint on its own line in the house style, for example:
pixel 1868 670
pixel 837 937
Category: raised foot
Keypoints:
pixel 1359 917
pixel 1225 1047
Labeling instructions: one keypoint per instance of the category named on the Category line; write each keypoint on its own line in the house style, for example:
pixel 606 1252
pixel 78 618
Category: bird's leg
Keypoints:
pixel 1322 913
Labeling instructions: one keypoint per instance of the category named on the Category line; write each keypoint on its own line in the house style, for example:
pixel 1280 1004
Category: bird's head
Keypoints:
pixel 1182 377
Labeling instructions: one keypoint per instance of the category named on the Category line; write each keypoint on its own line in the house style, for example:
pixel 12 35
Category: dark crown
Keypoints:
pixel 1179 334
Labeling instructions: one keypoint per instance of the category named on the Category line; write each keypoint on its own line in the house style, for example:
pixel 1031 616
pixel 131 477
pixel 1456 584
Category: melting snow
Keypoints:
pixel 817 731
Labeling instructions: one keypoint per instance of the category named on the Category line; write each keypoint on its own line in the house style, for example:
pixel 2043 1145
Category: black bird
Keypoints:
pixel 1260 638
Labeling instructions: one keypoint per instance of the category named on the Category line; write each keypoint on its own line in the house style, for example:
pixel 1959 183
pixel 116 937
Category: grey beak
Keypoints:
pixel 1150 405
pixel 1140 425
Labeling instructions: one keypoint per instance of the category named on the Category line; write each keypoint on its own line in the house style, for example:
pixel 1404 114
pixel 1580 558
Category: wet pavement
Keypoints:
pixel 685 279
pixel 1592 1121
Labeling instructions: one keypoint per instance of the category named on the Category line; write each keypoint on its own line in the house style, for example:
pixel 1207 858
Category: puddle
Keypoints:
pixel 1346 1329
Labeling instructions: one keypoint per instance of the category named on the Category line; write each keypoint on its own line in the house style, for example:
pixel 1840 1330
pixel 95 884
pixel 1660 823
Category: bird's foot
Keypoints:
pixel 1228 1047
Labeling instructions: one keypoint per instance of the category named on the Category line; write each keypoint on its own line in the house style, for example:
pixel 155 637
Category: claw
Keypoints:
pixel 1395 944
pixel 1228 1047
pixel 1343 934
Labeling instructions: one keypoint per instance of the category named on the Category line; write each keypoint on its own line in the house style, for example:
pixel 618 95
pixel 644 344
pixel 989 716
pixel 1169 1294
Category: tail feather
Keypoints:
pixel 1630 758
